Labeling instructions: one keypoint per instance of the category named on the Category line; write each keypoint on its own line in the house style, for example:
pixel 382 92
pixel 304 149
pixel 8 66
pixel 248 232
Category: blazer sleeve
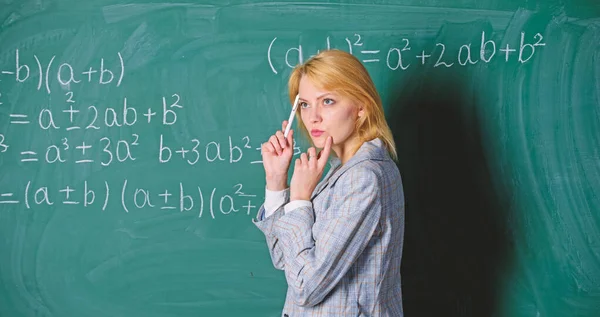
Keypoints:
pixel 265 224
pixel 314 268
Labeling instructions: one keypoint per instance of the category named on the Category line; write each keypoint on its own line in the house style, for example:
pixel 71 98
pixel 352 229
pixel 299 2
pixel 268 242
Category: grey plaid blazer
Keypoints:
pixel 342 256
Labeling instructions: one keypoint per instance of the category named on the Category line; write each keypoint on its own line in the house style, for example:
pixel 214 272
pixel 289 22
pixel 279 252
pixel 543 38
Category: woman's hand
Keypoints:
pixel 308 171
pixel 276 156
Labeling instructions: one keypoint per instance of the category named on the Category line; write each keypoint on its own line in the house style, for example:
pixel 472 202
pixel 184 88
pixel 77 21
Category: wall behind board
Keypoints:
pixel 130 164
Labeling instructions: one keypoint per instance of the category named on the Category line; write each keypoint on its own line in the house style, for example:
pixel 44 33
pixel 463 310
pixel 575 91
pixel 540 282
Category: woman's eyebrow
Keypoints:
pixel 324 95
pixel 319 97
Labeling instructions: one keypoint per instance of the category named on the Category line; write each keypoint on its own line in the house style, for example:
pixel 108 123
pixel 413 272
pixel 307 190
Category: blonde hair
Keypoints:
pixel 339 71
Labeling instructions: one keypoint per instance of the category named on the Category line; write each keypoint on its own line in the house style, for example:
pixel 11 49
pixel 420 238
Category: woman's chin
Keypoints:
pixel 318 142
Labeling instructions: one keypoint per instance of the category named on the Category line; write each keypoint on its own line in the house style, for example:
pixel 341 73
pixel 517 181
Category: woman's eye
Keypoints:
pixel 303 104
pixel 328 101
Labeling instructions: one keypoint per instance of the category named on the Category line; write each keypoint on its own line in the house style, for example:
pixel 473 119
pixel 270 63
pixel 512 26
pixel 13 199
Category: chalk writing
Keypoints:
pixel 204 202
pixel 99 73
pixel 404 56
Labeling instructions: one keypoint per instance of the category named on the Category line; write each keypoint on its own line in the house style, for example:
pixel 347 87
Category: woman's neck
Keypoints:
pixel 347 150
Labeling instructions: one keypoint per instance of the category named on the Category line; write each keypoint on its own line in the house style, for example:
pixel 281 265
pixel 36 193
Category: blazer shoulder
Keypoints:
pixel 366 171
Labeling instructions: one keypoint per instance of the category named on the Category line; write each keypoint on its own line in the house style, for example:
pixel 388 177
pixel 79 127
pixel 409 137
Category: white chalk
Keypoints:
pixel 292 115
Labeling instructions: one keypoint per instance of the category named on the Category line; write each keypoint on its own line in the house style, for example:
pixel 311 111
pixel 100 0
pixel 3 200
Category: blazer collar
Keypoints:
pixel 370 150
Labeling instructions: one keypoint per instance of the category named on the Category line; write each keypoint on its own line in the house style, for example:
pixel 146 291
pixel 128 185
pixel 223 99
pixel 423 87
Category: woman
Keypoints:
pixel 340 240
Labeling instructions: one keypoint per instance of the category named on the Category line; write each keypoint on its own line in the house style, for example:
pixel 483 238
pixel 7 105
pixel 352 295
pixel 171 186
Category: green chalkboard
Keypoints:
pixel 130 164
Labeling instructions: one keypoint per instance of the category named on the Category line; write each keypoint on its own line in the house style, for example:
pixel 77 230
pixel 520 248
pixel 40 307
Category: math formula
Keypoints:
pixel 406 55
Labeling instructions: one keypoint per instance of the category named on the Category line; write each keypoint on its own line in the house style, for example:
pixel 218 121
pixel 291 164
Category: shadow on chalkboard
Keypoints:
pixel 455 242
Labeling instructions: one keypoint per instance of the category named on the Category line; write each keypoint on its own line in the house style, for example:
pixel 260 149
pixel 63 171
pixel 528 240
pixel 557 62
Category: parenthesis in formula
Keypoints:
pixel 107 194
pixel 40 68
pixel 27 194
pixel 122 69
pixel 212 214
pixel 269 55
pixel 48 74
pixel 123 196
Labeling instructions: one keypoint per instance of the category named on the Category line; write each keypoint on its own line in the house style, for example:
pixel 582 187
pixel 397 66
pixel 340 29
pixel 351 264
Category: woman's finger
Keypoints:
pixel 281 139
pixel 312 156
pixel 275 143
pixel 303 158
pixel 267 147
pixel 324 154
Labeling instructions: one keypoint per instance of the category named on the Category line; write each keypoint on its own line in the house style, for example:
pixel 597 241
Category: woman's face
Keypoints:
pixel 325 113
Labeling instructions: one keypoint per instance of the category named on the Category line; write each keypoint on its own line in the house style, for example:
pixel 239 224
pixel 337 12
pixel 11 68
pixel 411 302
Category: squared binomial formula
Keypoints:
pixel 100 73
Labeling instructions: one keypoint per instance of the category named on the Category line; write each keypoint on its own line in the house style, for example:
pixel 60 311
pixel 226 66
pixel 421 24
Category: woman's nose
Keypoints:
pixel 315 114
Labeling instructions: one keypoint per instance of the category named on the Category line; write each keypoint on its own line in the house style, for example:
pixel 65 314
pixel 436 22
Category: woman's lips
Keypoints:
pixel 316 133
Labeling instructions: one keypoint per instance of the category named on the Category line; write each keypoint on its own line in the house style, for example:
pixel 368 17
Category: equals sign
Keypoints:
pixel 19 118
pixel 370 60
pixel 31 159
pixel 8 201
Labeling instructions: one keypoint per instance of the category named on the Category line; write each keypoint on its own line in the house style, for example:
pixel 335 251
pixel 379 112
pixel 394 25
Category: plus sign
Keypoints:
pixel 249 206
pixel 183 151
pixel 149 114
pixel 423 57
pixel 89 73
pixel 507 50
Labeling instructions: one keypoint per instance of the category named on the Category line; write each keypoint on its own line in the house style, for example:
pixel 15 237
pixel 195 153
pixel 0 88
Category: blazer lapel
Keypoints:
pixel 335 164
pixel 369 150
